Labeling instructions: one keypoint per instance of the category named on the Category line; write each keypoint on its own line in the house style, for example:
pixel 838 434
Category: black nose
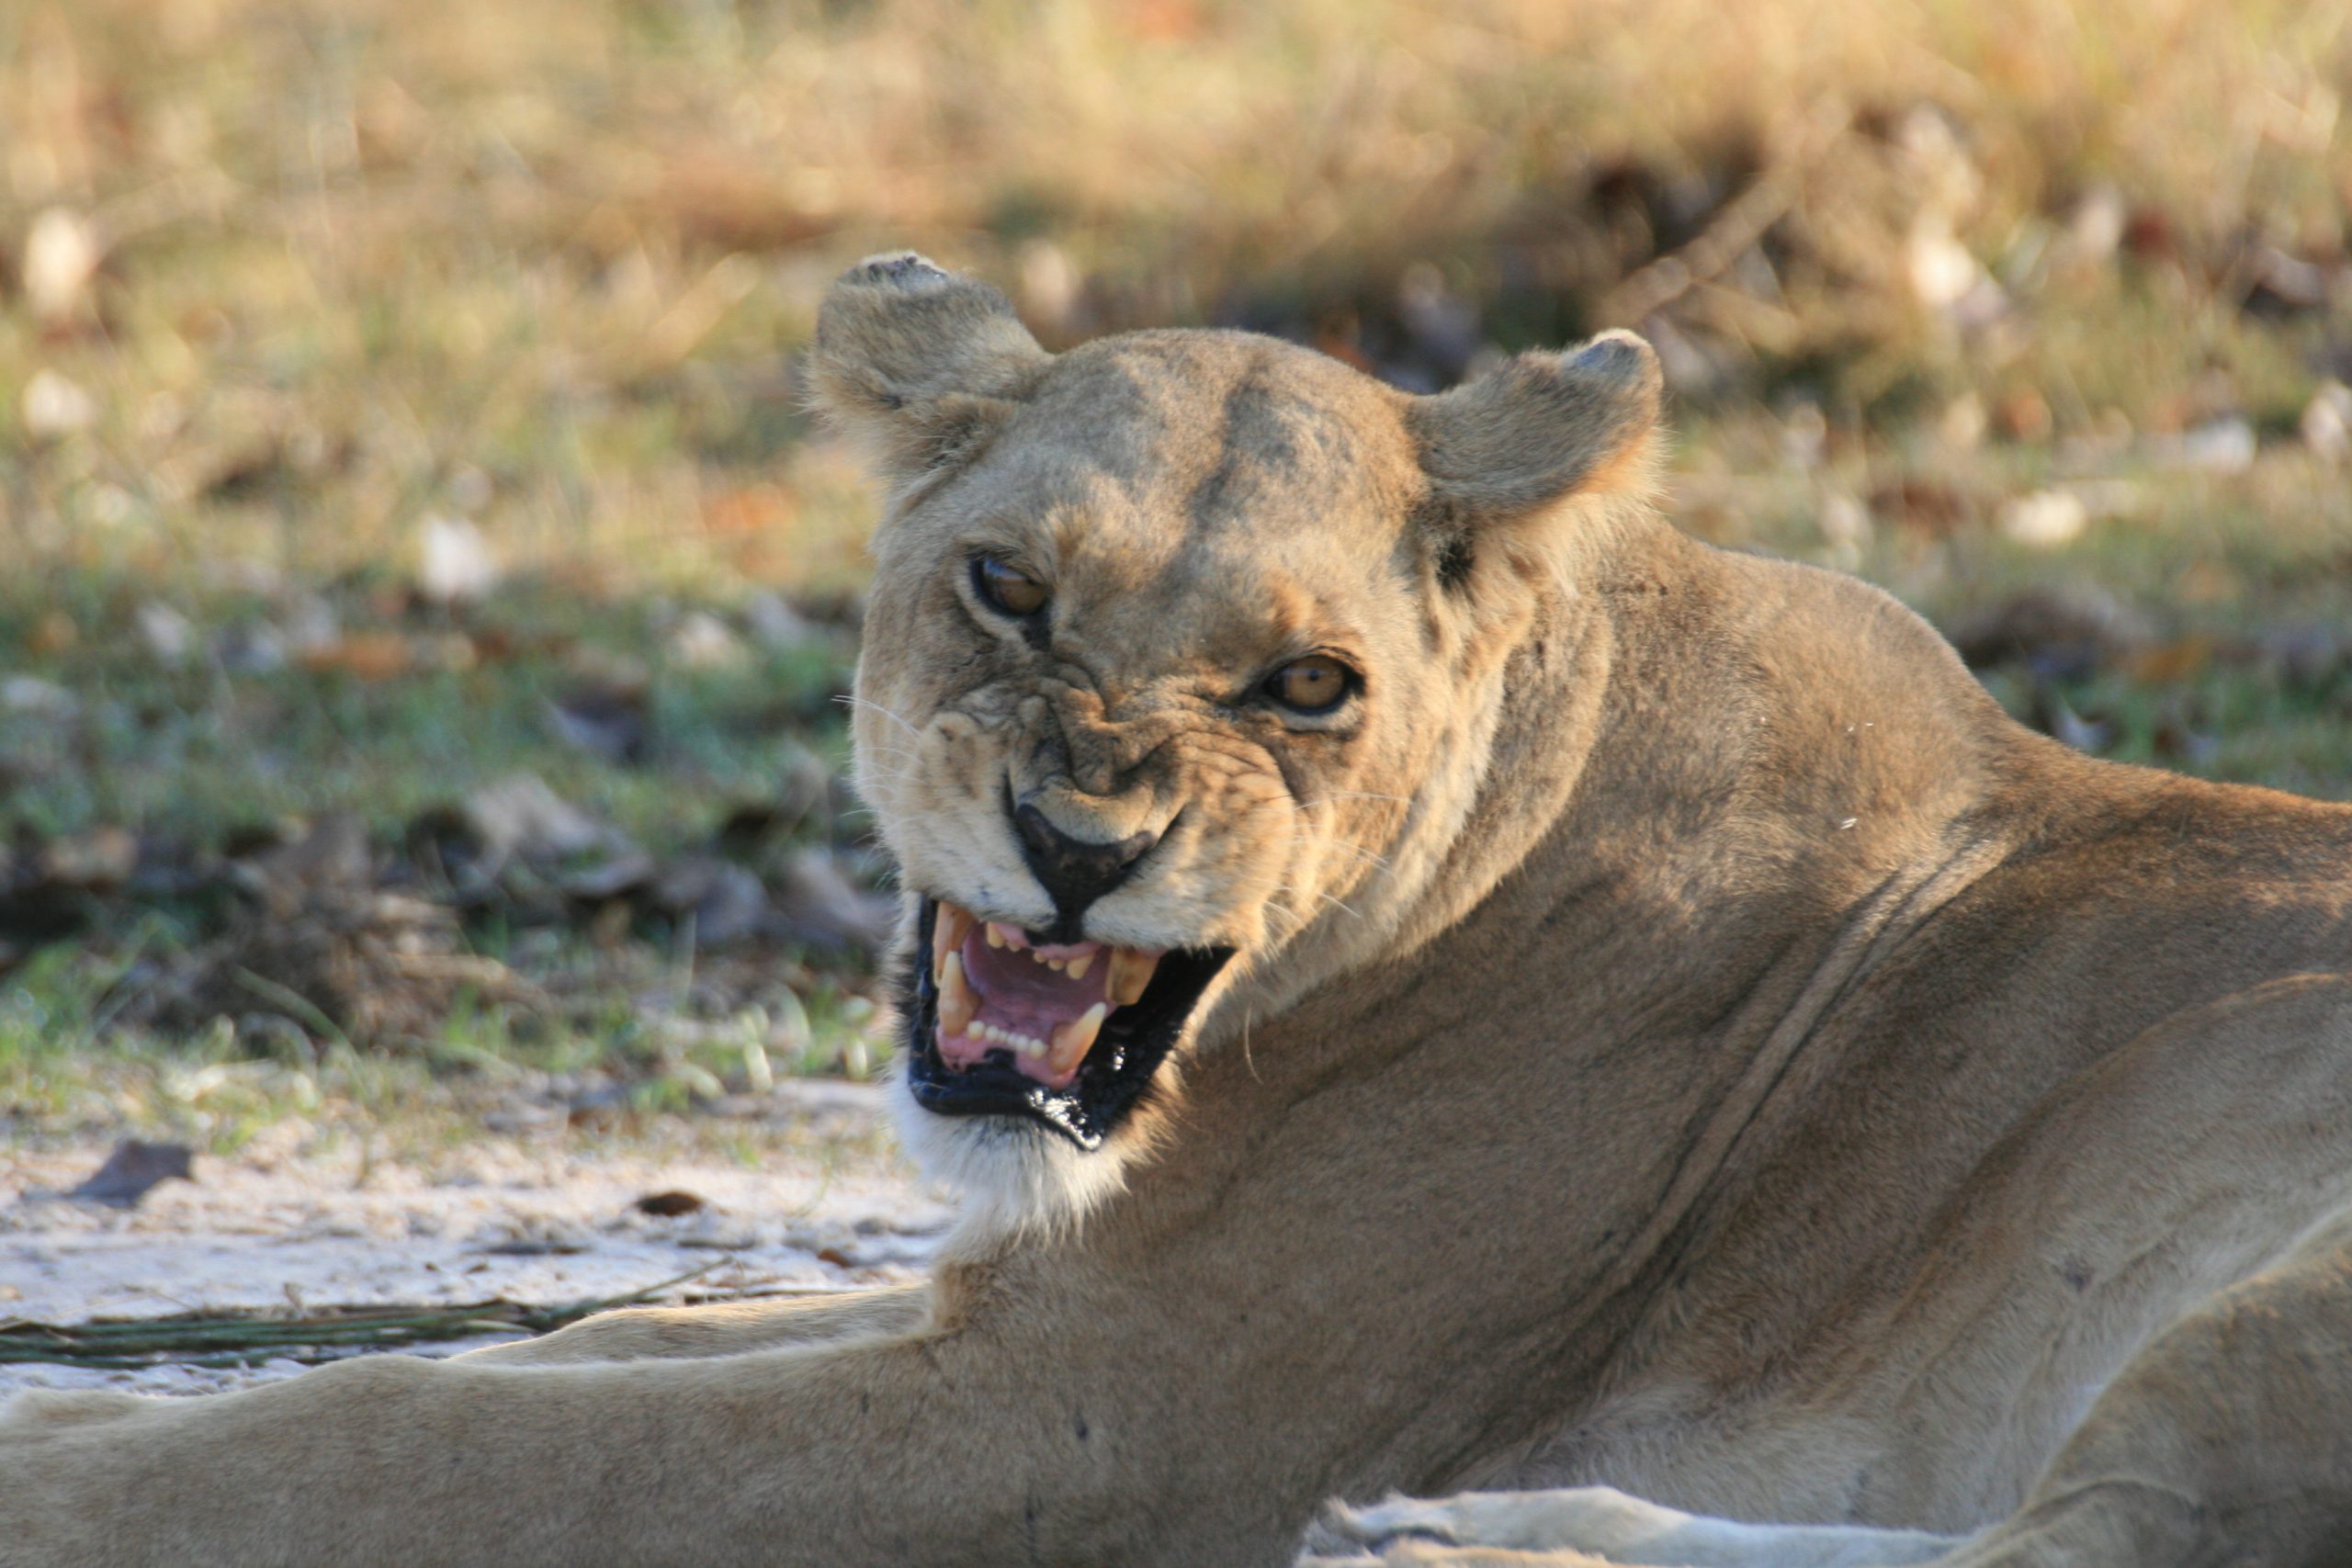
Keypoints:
pixel 1075 873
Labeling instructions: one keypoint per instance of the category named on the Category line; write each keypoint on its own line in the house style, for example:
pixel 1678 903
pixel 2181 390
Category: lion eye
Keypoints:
pixel 1007 589
pixel 1311 685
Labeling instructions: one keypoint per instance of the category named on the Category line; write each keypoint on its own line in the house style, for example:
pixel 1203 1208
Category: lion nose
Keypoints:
pixel 1075 873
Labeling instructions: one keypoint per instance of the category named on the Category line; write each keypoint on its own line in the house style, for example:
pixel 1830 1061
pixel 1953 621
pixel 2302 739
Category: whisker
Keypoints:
pixel 851 699
pixel 1286 887
pixel 1358 850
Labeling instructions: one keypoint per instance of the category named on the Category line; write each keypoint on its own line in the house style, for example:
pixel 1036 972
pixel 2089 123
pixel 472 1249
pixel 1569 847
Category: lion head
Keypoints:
pixel 1186 658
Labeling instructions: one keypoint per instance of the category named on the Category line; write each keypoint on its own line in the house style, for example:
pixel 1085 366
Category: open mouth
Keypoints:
pixel 1066 1034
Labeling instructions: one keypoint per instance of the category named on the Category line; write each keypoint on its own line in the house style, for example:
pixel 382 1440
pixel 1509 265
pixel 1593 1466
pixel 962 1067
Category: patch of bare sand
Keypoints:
pixel 305 1219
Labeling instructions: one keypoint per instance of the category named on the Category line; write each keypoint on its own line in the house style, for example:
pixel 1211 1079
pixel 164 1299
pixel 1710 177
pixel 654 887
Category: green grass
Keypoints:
pixel 545 265
pixel 194 749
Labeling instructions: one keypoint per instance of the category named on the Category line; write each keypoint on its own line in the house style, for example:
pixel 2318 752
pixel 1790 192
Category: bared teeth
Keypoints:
pixel 1073 1039
pixel 1020 1045
pixel 949 930
pixel 1127 974
pixel 956 1002
pixel 1130 973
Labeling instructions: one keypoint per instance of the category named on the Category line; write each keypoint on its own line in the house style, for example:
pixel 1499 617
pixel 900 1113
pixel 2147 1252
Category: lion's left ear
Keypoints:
pixel 918 364
pixel 1539 430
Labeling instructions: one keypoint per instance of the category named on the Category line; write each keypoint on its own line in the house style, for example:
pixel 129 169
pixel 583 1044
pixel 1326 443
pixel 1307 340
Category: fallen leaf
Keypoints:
pixel 2308 657
pixel 54 633
pixel 54 407
pixel 2045 520
pixel 726 902
pixel 2053 716
pixel 754 509
pixel 369 656
pixel 101 859
pixel 776 626
pixel 2059 633
pixel 62 250
pixel 537 1246
pixel 669 1204
pixel 2169 663
pixel 2326 424
pixel 703 641
pixel 456 564
pixel 2023 415
pixel 169 636
pixel 519 815
pixel 132 1170
pixel 1928 506
pixel 821 907
pixel 332 855
pixel 2226 446
pixel 32 695
pixel 605 718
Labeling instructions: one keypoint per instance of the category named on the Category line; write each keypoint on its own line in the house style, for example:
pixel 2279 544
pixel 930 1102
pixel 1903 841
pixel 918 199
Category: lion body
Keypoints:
pixel 1684 1038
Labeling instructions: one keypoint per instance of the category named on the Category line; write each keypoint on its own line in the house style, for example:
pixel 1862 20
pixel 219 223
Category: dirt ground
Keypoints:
pixel 292 1224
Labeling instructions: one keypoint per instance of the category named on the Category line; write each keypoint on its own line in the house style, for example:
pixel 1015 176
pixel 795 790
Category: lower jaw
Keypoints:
pixel 1113 1080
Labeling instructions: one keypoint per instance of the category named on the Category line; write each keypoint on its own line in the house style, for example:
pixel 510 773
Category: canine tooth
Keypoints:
pixel 956 1002
pixel 995 934
pixel 1130 975
pixel 1073 1039
pixel 949 930
pixel 1078 966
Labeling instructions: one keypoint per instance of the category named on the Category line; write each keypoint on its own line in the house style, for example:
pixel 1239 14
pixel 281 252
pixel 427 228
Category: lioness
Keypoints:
pixel 1430 980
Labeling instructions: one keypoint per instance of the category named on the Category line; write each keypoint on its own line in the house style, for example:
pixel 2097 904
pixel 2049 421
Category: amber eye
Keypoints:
pixel 1315 685
pixel 1007 589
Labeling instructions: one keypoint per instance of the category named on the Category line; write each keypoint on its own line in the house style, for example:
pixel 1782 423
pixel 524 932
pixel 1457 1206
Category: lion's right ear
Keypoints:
pixel 1538 430
pixel 917 365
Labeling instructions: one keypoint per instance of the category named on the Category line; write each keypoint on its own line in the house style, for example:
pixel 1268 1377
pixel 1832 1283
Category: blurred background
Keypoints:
pixel 424 600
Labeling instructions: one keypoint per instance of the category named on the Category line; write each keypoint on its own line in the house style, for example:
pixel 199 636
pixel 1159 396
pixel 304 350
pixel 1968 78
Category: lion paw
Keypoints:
pixel 1349 1534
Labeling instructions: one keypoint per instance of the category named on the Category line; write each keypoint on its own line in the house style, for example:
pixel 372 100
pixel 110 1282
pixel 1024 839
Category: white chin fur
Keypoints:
pixel 1013 1176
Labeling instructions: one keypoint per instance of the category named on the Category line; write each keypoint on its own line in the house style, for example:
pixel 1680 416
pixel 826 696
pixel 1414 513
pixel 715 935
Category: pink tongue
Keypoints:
pixel 1021 995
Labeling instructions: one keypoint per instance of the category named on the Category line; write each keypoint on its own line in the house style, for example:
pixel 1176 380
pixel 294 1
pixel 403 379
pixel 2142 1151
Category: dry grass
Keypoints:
pixel 543 260
pixel 283 280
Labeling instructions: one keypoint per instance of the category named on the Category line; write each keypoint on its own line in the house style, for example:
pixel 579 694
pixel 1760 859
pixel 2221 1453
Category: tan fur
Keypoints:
pixel 1684 1039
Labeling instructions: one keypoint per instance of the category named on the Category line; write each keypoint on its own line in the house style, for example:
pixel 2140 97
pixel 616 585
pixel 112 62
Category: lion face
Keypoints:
pixel 1182 658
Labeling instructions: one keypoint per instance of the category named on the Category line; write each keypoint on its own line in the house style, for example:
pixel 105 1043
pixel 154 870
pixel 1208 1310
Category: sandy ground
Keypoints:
pixel 823 1203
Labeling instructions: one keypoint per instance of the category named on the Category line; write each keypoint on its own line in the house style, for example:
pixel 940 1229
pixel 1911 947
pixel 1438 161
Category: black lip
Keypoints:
pixel 1113 1079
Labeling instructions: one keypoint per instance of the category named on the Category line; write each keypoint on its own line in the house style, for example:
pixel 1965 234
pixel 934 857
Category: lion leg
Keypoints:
pixel 873 1451
pixel 2223 1438
pixel 1594 1523
pixel 733 1328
